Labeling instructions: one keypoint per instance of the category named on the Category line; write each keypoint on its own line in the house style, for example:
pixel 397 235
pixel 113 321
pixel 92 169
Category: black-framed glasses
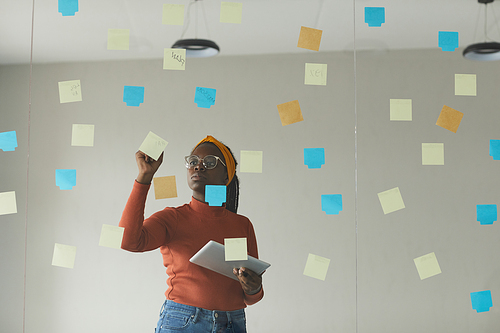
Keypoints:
pixel 209 161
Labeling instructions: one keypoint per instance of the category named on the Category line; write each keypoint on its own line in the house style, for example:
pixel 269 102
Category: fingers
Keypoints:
pixel 249 280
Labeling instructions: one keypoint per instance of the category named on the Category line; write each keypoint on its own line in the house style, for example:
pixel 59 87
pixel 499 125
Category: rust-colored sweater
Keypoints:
pixel 179 233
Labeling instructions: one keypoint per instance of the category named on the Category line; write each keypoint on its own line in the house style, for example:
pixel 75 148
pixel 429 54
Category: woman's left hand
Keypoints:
pixel 250 281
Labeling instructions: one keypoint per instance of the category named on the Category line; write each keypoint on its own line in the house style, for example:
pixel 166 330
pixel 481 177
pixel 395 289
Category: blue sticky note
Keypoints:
pixel 314 158
pixel 204 97
pixel 486 214
pixel 66 178
pixel 448 40
pixel 133 95
pixel 215 195
pixel 68 7
pixel 481 301
pixel 331 203
pixel 374 16
pixel 8 141
pixel 495 149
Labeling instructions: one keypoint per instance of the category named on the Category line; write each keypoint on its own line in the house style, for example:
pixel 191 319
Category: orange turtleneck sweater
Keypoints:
pixel 179 233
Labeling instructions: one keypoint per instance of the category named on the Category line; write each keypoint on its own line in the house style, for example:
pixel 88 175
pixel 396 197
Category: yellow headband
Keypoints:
pixel 230 163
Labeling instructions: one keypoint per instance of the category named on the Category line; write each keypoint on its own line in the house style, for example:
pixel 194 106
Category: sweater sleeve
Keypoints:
pixel 252 250
pixel 142 235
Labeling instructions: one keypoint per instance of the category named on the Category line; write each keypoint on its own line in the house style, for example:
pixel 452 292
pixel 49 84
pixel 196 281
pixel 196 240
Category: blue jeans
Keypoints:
pixel 175 317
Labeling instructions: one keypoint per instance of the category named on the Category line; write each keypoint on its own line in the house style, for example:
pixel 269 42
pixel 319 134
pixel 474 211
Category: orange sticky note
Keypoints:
pixel 309 38
pixel 449 119
pixel 165 187
pixel 290 113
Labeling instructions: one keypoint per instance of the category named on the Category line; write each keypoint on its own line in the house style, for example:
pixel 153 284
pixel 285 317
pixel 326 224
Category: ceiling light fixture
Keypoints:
pixel 487 51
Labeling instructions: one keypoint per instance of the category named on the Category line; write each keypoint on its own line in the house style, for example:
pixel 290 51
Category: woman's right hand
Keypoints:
pixel 147 167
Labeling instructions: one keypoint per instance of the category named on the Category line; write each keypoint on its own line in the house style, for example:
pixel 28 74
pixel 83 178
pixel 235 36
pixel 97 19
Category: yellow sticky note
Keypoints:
pixel 290 113
pixel 432 153
pixel 449 119
pixel 235 249
pixel 391 200
pixel 400 110
pixel 8 203
pixel 82 135
pixel 230 12
pixel 165 187
pixel 153 146
pixel 309 38
pixel 316 267
pixel 315 74
pixel 174 59
pixel 70 91
pixel 251 161
pixel 427 266
pixel 118 39
pixel 173 14
pixel 111 236
pixel 465 84
pixel 64 255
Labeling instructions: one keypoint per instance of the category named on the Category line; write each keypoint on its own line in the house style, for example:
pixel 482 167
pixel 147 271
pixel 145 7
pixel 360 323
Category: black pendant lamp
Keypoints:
pixel 487 51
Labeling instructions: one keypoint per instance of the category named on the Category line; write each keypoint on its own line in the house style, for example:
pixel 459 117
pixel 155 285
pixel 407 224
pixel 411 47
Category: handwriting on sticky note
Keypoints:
pixel 316 267
pixel 111 236
pixel 391 200
pixel 427 266
pixel 204 97
pixel 215 195
pixel 486 214
pixel 8 141
pixel 251 161
pixel 153 146
pixel 331 204
pixel 315 74
pixel 235 249
pixel 70 91
pixel 165 187
pixel 8 203
pixel 432 153
pixel 66 178
pixel 400 109
pixel 448 40
pixel 290 113
pixel 449 119
pixel 309 38
pixel 481 301
pixel 64 255
pixel 174 59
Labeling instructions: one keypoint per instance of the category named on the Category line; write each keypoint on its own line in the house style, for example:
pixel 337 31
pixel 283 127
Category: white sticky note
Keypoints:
pixel 82 135
pixel 400 110
pixel 173 14
pixel 432 153
pixel 315 74
pixel 64 255
pixel 174 59
pixel 8 203
pixel 316 267
pixel 235 249
pixel 111 236
pixel 465 84
pixel 251 161
pixel 70 91
pixel 231 12
pixel 427 266
pixel 391 200
pixel 153 145
pixel 118 39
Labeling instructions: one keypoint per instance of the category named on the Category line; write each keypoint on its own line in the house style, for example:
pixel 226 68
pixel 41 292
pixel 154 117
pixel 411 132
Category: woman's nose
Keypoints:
pixel 199 166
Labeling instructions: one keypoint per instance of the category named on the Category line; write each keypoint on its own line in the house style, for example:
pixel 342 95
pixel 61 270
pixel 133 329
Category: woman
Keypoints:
pixel 197 299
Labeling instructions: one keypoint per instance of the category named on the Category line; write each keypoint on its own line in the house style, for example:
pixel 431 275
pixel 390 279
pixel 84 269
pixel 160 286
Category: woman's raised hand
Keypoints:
pixel 147 167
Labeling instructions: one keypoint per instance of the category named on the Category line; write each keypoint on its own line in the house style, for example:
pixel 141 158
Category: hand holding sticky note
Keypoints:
pixel 153 146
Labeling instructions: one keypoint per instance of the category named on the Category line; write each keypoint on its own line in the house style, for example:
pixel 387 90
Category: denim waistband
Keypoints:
pixel 195 312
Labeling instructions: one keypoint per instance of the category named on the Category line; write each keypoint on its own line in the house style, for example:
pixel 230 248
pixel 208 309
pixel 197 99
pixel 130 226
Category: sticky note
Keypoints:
pixel 174 59
pixel 204 97
pixel 118 39
pixel 314 158
pixel 432 153
pixel 64 255
pixel 315 74
pixel 173 14
pixel 67 7
pixel 400 109
pixel 8 141
pixel 316 267
pixel 290 113
pixel 449 119
pixel 133 95
pixel 486 214
pixel 65 178
pixel 495 149
pixel 391 200
pixel 111 236
pixel 230 12
pixel 427 266
pixel 309 38
pixel 215 195
pixel 70 91
pixel 153 146
pixel 465 85
pixel 82 135
pixel 374 16
pixel 165 187
pixel 8 203
pixel 481 301
pixel 331 204
pixel 448 40
pixel 235 249
pixel 251 161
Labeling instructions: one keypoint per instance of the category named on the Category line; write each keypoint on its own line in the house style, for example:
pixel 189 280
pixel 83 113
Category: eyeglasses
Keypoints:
pixel 209 161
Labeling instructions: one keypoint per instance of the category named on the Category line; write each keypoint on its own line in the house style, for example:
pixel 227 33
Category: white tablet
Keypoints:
pixel 212 256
